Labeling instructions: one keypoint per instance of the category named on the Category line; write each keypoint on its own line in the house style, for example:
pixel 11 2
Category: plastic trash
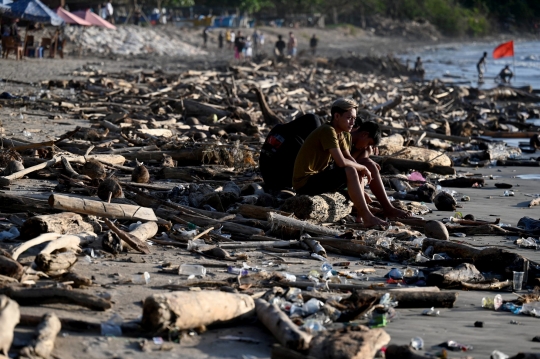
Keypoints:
pixel 455 346
pixel 237 271
pixel 417 242
pixel 527 243
pixel 112 327
pixel 417 343
pixel 420 258
pixel 395 274
pixel 416 176
pixel 312 306
pixel 532 309
pixel 498 355
pixel 196 244
pixel 313 325
pixel 192 269
pixel 133 226
pixel 325 267
pixel 141 278
pixel 511 307
pixel 11 234
pixel 494 303
pixel 289 277
pixel 431 312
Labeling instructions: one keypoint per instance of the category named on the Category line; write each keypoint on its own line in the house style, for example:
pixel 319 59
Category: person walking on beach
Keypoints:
pixel 110 12
pixel 205 36
pixel 255 41
pixel 220 40
pixel 239 46
pixel 313 44
pixel 232 40
pixel 419 68
pixel 313 174
pixel 505 75
pixel 292 45
pixel 481 66
pixel 280 46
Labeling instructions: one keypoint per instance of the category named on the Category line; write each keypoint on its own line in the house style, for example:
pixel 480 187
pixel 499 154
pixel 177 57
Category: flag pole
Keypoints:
pixel 515 73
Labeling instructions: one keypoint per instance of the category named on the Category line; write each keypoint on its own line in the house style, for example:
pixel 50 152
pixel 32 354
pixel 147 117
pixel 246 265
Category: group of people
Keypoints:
pixel 10 28
pixel 292 45
pixel 106 11
pixel 315 158
pixel 504 76
pixel 244 46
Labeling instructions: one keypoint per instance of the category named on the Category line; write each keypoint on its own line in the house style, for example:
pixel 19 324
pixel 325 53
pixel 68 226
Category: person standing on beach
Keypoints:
pixel 205 36
pixel 255 41
pixel 313 174
pixel 313 44
pixel 220 40
pixel 239 45
pixel 481 66
pixel 110 12
pixel 419 68
pixel 292 45
pixel 280 46
pixel 233 39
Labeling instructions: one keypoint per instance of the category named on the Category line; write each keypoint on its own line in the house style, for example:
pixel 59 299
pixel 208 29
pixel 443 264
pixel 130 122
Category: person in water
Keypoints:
pixel 481 66
pixel 505 75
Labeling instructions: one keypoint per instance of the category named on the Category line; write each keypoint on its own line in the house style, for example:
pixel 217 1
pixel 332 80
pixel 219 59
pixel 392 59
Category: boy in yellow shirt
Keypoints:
pixel 314 175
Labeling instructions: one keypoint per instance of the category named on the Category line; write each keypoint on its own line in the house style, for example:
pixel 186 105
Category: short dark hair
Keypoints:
pixel 373 130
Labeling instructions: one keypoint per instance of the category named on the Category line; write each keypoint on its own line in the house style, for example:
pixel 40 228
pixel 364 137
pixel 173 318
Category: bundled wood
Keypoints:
pixel 278 323
pixel 327 207
pixel 9 318
pixel 62 223
pixel 101 209
pixel 43 344
pixel 186 310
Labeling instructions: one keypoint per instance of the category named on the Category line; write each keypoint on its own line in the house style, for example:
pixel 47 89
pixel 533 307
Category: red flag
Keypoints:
pixel 504 50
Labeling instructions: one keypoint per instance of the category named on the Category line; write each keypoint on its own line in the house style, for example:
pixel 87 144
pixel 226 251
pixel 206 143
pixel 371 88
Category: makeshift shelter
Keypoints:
pixel 33 10
pixel 94 19
pixel 71 18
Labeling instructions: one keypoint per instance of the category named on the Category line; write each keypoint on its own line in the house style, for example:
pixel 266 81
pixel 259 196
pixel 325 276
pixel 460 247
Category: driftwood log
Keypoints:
pixel 408 164
pixel 101 209
pixel 327 207
pixel 361 342
pixel 63 223
pixel 10 203
pixel 462 182
pixel 39 296
pixel 9 318
pixel 55 264
pixel 136 239
pixel 43 344
pixel 288 222
pixel 185 310
pixel 281 326
pixel 258 212
pixel 9 267
pixel 350 248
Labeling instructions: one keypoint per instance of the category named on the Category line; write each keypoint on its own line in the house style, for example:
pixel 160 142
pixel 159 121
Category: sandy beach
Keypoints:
pixel 109 274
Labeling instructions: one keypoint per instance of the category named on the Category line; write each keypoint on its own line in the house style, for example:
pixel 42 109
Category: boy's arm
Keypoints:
pixel 347 155
pixel 341 161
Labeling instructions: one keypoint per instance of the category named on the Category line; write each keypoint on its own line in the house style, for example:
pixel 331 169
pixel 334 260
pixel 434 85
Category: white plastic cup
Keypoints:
pixel 518 280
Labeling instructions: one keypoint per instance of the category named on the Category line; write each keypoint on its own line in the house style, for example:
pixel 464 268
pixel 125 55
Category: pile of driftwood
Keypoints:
pixel 201 132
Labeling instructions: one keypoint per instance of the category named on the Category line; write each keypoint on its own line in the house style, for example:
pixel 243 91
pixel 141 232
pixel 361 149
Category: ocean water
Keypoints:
pixel 457 63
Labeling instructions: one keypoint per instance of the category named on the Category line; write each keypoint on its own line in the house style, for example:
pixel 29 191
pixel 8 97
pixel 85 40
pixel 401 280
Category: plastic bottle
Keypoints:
pixel 312 306
pixel 289 277
pixel 192 269
pixel 532 309
pixel 237 271
pixel 417 343
pixel 325 267
pixel 141 278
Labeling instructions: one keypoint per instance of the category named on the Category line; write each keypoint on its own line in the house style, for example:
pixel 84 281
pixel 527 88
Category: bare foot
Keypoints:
pixel 371 221
pixel 396 213
pixel 375 210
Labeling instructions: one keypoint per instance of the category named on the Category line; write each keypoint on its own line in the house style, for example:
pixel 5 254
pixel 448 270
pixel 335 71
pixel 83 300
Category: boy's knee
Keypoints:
pixel 351 172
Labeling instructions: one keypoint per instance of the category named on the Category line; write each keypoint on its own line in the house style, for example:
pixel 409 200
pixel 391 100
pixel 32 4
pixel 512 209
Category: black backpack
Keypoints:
pixel 280 149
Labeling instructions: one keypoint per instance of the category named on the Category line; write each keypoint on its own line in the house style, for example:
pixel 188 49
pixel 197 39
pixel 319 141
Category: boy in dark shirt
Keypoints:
pixel 280 46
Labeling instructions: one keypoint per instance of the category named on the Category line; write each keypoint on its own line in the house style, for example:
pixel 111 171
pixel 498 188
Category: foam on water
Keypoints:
pixel 457 63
